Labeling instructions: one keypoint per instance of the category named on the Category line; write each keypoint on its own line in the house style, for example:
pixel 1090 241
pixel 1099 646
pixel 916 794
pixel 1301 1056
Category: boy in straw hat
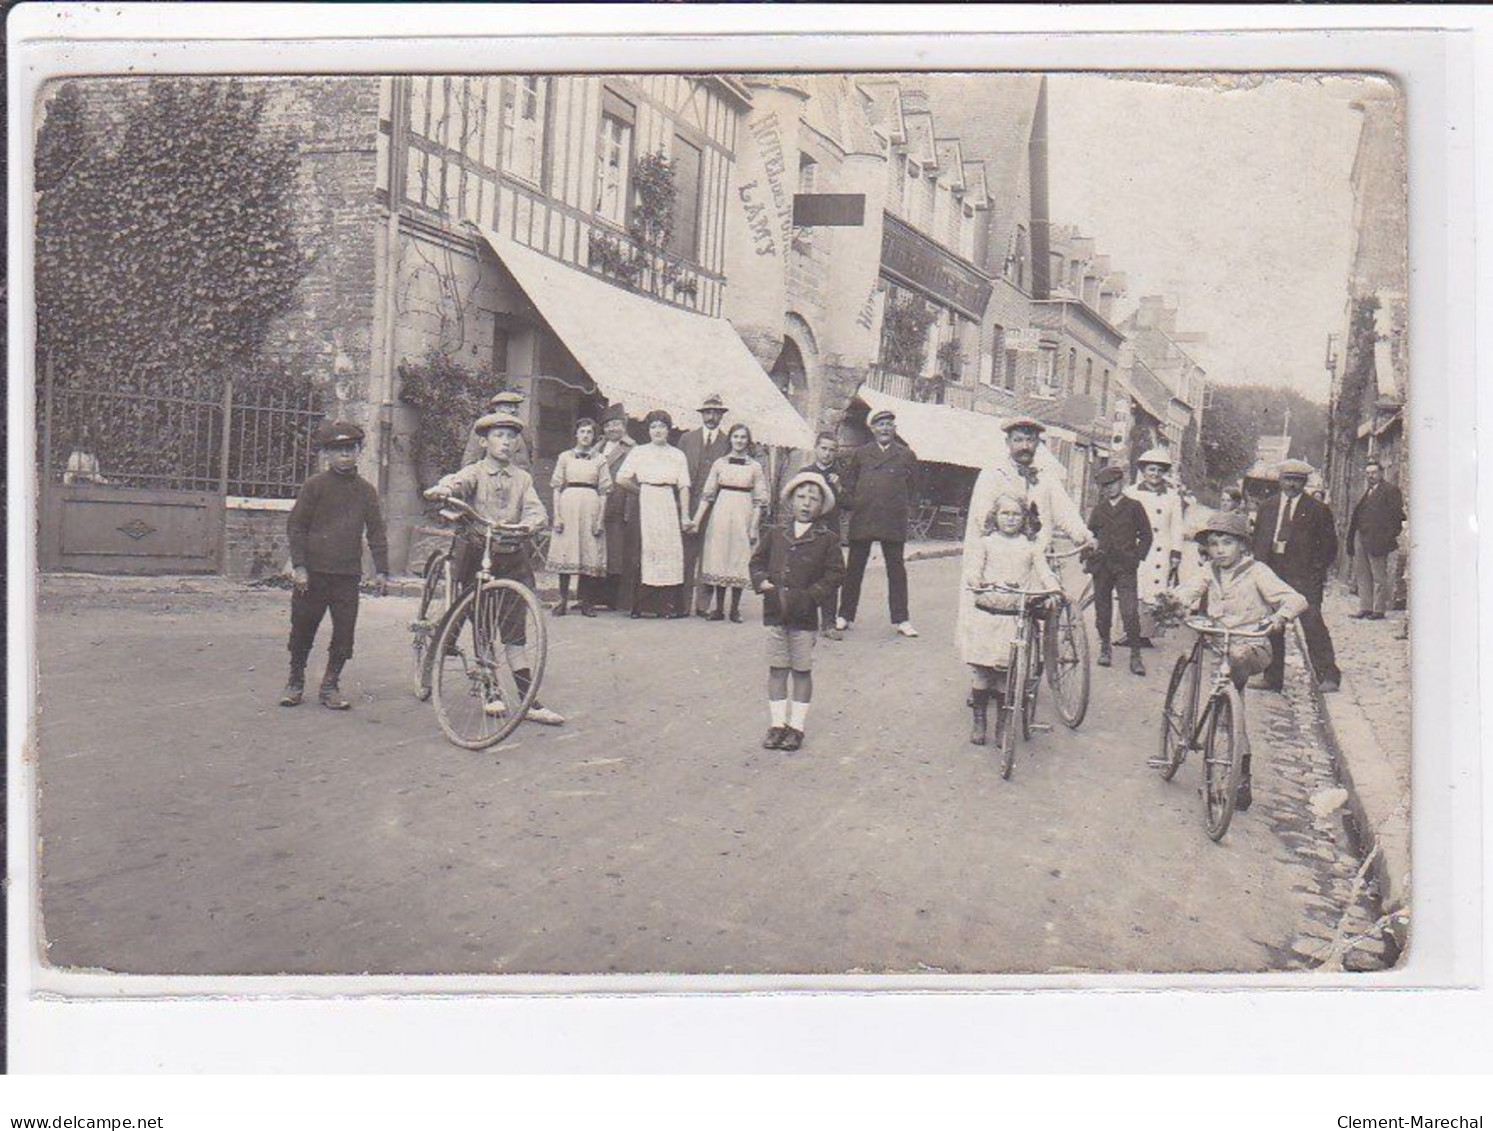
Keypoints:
pixel 1241 592
pixel 795 566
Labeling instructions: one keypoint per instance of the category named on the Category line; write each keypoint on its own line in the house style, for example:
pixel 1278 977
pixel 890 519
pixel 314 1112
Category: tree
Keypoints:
pixel 165 246
pixel 1240 414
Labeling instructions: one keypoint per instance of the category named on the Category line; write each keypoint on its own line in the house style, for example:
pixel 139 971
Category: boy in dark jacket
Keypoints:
pixel 1122 530
pixel 333 511
pixel 795 566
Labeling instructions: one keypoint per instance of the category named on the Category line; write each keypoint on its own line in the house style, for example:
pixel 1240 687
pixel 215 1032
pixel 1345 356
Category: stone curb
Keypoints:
pixel 1374 792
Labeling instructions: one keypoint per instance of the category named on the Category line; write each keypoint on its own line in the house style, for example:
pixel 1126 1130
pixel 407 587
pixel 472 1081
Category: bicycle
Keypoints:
pixel 1067 650
pixel 495 629
pixel 1023 668
pixel 437 593
pixel 1219 731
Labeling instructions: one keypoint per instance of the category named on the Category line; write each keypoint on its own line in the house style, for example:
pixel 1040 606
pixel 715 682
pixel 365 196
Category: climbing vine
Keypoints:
pixel 904 335
pixel 165 232
pixel 641 260
pixel 449 397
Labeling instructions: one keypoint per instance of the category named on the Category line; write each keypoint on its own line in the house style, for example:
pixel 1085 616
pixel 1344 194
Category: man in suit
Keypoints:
pixel 619 514
pixel 701 447
pixel 1373 533
pixel 1294 535
pixel 826 465
pixel 881 484
pixel 1123 532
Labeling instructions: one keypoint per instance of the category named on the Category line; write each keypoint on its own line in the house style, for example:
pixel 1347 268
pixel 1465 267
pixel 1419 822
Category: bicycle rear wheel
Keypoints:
pixel 1068 663
pixel 489 663
pixel 1031 681
pixel 1015 683
pixel 435 596
pixel 1222 761
pixel 1176 720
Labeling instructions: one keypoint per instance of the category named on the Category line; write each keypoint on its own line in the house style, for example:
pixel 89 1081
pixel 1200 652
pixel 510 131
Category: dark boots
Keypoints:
pixel 1136 667
pixel 1244 798
pixel 1105 658
pixel 329 695
pixel 295 686
pixel 979 701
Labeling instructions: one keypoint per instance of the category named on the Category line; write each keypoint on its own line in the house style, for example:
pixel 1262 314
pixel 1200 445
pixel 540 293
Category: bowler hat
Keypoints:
pixel 338 434
pixel 498 420
pixel 1030 423
pixel 712 403
pixel 807 476
pixel 612 412
pixel 1224 522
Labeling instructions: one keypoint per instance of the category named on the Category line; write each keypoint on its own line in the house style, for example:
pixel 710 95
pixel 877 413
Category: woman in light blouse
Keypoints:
pixel 735 497
pixel 577 546
pixel 659 473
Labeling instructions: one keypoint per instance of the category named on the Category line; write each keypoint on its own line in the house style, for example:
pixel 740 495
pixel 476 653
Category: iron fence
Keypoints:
pixel 183 434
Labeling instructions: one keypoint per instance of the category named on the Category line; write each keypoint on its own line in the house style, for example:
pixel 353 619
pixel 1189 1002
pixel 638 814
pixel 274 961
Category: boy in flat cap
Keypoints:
pixel 1122 531
pixel 509 401
pixel 332 514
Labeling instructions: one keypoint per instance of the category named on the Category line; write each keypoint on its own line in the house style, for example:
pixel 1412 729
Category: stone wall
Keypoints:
pixel 255 542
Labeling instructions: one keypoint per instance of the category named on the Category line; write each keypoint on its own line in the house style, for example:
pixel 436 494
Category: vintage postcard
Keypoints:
pixel 857 523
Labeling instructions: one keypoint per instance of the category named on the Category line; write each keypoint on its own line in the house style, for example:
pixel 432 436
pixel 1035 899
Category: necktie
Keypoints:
pixel 1028 473
pixel 1283 520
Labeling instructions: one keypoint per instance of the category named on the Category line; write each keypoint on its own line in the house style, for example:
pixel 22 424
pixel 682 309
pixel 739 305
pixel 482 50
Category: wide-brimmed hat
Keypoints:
pixel 1224 522
pixel 1295 467
pixel 1155 455
pixel 881 414
pixel 338 434
pixel 1030 423
pixel 818 480
pixel 498 420
pixel 712 403
pixel 612 412
pixel 1110 474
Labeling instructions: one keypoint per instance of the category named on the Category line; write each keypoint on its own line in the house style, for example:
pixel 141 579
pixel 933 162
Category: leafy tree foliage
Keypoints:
pixel 165 245
pixel 643 261
pixel 1240 414
pixel 449 397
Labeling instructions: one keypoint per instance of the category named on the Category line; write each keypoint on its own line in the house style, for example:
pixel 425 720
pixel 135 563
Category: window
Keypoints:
pixel 685 239
pixel 1019 255
pixel 525 120
pixel 1072 381
pixel 927 204
pixel 1104 395
pixel 1088 376
pixel 614 160
pixel 1012 359
pixel 808 180
pixel 997 355
pixel 1047 372
pixel 499 348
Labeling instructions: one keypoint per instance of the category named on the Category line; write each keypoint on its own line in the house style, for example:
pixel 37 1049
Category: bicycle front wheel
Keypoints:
pixel 435 598
pixel 1010 706
pixel 1176 722
pixel 489 662
pixel 1068 663
pixel 1223 761
pixel 1031 678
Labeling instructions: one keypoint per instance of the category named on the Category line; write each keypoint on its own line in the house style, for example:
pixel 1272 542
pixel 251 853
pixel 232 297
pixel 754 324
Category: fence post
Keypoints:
pixel 227 426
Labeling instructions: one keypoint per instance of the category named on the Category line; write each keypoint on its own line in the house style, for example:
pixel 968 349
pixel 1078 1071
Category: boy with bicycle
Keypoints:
pixel 1239 591
pixel 503 495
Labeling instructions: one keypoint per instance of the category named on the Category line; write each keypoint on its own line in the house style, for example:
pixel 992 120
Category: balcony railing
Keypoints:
pixel 926 390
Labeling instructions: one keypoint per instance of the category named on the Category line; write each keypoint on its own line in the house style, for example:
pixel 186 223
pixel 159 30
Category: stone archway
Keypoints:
pixel 794 370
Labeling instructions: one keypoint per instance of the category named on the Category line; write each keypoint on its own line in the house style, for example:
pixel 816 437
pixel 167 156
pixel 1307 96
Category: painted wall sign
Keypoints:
pixel 912 258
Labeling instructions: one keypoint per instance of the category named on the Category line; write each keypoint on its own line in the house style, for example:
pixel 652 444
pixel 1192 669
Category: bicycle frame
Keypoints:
pixel 1208 634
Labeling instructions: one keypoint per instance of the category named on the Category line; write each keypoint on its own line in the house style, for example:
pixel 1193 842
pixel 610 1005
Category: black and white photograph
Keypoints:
pixel 722 524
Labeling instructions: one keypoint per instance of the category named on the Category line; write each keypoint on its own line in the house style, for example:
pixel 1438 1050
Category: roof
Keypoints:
pixel 1147 388
pixel 950 162
pixel 920 139
pixel 648 354
pixel 976 195
pixel 885 109
pixel 941 434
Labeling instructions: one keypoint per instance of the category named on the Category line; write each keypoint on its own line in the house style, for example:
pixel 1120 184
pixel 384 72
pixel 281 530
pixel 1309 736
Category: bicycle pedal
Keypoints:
pixel 1041 728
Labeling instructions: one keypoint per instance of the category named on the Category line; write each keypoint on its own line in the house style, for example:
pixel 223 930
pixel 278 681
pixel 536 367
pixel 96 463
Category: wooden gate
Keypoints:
pixel 136 480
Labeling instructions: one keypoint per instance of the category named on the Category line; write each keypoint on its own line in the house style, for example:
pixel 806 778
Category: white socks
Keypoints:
pixel 788 714
pixel 778 710
pixel 798 713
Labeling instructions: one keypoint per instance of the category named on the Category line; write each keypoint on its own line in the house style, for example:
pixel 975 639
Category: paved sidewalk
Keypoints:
pixel 1369 723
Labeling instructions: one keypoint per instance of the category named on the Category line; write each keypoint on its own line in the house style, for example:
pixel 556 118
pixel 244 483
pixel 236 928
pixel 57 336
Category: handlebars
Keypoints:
pixel 1206 626
pixel 454 509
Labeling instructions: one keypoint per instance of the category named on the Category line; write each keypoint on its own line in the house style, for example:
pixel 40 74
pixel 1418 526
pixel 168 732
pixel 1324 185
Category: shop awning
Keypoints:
pixel 941 434
pixel 649 355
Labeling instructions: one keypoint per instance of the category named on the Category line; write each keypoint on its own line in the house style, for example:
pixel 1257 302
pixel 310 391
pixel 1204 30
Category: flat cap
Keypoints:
pixel 508 397
pixel 338 433
pixel 498 420
pixel 1295 467
pixel 1110 474
pixel 1030 423
pixel 881 414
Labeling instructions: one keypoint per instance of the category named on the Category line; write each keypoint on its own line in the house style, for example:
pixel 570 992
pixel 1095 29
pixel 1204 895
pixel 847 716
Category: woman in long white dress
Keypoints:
pixel 659 473
pixel 735 496
pixel 1164 508
pixel 577 547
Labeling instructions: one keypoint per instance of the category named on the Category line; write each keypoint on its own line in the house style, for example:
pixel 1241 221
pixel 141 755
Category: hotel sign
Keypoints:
pixel 910 257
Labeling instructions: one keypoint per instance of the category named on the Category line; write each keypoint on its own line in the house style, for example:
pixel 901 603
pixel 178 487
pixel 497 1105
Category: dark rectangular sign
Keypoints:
pixel 829 209
pixel 909 255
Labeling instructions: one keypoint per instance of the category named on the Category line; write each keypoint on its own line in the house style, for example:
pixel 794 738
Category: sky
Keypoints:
pixel 1235 203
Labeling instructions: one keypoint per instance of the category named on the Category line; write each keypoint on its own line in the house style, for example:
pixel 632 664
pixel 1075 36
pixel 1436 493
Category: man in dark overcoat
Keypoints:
pixel 619 514
pixel 880 483
pixel 1123 534
pixel 1373 534
pixel 1294 535
pixel 701 446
